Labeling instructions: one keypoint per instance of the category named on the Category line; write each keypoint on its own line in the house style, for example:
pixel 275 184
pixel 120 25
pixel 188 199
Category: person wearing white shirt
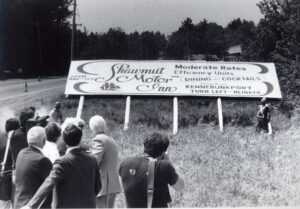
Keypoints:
pixel 53 132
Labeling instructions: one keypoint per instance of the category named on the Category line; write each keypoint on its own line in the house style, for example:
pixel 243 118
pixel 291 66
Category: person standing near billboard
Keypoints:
pixel 264 117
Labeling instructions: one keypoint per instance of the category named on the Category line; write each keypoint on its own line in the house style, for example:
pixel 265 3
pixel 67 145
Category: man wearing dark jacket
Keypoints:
pixel 75 176
pixel 32 168
pixel 18 139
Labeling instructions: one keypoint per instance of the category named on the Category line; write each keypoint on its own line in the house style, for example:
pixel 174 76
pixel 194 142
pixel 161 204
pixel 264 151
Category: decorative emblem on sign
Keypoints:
pixel 110 87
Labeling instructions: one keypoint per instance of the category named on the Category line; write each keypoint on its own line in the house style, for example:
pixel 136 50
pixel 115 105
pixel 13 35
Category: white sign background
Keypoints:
pixel 172 78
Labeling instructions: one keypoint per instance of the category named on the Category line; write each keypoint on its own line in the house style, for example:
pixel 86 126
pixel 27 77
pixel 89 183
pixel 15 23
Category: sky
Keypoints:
pixel 160 15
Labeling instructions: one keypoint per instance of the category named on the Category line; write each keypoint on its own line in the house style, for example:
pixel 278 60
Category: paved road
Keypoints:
pixel 40 95
pixel 14 88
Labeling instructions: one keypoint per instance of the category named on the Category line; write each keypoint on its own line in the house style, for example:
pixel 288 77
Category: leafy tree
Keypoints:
pixel 202 38
pixel 238 32
pixel 116 44
pixel 134 46
pixel 276 40
pixel 275 35
pixel 179 43
pixel 152 45
pixel 213 41
pixel 35 35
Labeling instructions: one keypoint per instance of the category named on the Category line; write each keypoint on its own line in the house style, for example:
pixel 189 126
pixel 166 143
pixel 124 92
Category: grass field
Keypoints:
pixel 232 169
pixel 236 168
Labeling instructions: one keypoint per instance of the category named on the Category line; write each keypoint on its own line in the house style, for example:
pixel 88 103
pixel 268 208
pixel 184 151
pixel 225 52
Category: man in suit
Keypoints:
pixel 75 176
pixel 106 152
pixel 32 168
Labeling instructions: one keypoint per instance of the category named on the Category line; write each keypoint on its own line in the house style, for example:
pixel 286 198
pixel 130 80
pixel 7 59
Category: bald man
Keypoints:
pixel 32 168
pixel 106 152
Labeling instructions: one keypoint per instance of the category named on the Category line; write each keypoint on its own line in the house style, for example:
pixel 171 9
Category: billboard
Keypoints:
pixel 173 78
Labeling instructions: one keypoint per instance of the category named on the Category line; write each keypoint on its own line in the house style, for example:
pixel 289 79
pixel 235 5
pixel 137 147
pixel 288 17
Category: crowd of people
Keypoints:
pixel 51 168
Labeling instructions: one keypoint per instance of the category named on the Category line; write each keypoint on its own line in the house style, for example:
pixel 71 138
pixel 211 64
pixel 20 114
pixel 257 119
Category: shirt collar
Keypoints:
pixel 71 148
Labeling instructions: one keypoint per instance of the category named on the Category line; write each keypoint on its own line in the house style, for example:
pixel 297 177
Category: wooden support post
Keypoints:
pixel 220 114
pixel 127 113
pixel 175 115
pixel 80 107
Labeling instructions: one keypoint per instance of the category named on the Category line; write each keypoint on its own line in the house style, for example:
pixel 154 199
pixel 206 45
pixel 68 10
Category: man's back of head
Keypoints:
pixel 97 124
pixel 36 136
pixel 53 131
pixel 155 144
pixel 72 135
pixel 11 124
pixel 25 115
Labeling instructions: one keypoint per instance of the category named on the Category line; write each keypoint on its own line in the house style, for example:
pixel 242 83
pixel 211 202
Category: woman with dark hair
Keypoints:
pixel 11 124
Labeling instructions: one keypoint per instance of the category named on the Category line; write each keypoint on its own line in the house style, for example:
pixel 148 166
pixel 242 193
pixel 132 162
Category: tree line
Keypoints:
pixel 36 36
pixel 202 38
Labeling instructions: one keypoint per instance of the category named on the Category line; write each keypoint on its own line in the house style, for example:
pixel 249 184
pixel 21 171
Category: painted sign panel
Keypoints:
pixel 173 78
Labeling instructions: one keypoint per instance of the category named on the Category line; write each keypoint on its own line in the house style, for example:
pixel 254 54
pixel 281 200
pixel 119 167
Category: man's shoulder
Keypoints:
pixel 45 159
pixel 37 154
pixel 30 151
pixel 32 155
pixel 89 156
pixel 164 164
pixel 24 151
pixel 134 159
pixel 133 162
pixel 101 137
pixel 75 154
pixel 19 133
pixel 133 165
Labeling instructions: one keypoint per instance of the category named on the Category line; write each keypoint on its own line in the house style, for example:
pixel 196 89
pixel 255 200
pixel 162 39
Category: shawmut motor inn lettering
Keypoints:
pixel 172 78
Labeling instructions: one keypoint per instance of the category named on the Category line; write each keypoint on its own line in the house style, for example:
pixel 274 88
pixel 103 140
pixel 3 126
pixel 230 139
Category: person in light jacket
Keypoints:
pixel 106 152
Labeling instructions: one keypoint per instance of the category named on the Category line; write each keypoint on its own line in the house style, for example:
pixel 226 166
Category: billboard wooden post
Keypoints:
pixel 80 107
pixel 175 115
pixel 127 113
pixel 220 114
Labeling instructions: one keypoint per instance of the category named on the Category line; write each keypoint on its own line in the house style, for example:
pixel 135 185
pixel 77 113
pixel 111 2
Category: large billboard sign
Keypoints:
pixel 173 78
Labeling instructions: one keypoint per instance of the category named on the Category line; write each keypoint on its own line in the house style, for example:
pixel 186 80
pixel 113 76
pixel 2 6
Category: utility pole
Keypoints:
pixel 40 50
pixel 73 30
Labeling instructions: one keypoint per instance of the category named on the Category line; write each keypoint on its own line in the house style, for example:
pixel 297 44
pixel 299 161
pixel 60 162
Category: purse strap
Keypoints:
pixel 150 187
pixel 6 150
